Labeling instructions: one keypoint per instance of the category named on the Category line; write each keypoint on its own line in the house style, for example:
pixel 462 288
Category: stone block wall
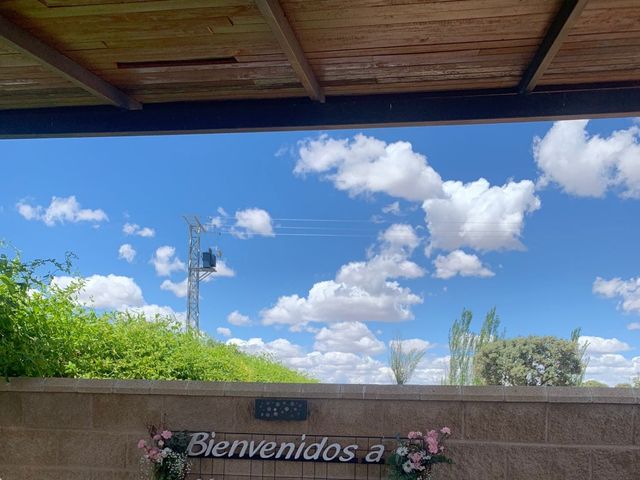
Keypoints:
pixel 67 429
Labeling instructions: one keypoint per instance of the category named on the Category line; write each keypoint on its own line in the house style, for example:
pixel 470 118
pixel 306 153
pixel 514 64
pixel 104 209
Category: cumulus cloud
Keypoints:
pixel 612 368
pixel 633 326
pixel 475 214
pixel 179 289
pixel 152 311
pixel 460 263
pixel 223 331
pixel 361 291
pixel 135 229
pixel 338 366
pixel 479 215
pixel 392 208
pixel 412 344
pixel 126 252
pixel 588 165
pixel 110 291
pixel 353 337
pixel 61 210
pixel 364 165
pixel 222 270
pixel 115 292
pixel 253 221
pixel 166 262
pixel 626 291
pixel 237 319
pixel 603 345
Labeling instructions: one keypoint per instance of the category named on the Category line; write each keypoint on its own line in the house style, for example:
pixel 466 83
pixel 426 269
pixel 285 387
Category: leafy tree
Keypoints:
pixel 45 333
pixel 463 344
pixel 582 353
pixel 530 361
pixel 594 383
pixel 624 385
pixel 403 362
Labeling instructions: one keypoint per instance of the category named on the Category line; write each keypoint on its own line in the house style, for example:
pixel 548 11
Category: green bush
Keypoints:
pixel 531 361
pixel 44 333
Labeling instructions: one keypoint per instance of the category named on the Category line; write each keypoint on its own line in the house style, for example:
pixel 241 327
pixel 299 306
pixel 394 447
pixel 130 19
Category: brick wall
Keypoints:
pixel 68 429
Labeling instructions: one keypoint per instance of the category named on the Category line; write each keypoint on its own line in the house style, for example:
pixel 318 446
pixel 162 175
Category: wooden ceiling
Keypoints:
pixel 136 53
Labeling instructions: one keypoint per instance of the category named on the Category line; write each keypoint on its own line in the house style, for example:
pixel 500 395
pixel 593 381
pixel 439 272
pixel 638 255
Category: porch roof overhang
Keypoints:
pixel 114 67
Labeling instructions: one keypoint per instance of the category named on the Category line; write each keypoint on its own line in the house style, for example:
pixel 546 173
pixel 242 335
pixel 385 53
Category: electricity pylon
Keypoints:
pixel 197 271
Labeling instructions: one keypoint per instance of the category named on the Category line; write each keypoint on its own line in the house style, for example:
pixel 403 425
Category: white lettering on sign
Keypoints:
pixel 204 444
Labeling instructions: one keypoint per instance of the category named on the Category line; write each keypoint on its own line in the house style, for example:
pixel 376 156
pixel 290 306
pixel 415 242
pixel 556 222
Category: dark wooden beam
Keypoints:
pixel 22 41
pixel 337 112
pixel 558 31
pixel 277 21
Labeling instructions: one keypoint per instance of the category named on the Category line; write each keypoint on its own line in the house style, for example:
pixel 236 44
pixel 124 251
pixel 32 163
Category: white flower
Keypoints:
pixel 406 466
pixel 402 451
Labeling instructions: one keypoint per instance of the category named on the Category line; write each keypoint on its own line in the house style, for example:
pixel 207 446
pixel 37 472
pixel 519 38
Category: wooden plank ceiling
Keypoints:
pixel 190 50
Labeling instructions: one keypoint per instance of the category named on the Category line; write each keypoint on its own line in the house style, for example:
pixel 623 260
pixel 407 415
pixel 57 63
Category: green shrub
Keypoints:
pixel 530 360
pixel 44 333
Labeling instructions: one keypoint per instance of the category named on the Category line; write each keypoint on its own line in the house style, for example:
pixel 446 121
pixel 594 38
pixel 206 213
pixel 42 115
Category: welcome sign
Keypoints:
pixel 320 449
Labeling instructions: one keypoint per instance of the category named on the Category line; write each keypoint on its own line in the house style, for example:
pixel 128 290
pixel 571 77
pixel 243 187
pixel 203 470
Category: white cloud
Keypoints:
pixel 150 312
pixel 127 252
pixel 460 263
pixel 222 270
pixel 135 229
pixel 165 262
pixel 280 348
pixel 253 221
pixel 479 215
pixel 114 292
pixel 223 331
pixel 351 337
pixel 339 367
pixel 588 165
pixel 392 208
pixel 61 210
pixel 413 344
pixel 237 319
pixel 633 326
pixel 110 291
pixel 179 289
pixel 361 291
pixel 597 345
pixel 612 368
pixel 364 165
pixel 627 291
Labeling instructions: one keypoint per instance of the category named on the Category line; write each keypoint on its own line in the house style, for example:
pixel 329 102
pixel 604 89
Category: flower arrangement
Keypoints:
pixel 415 457
pixel 165 455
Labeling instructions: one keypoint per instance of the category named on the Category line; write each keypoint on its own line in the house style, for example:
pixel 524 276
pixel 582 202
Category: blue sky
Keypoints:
pixel 549 238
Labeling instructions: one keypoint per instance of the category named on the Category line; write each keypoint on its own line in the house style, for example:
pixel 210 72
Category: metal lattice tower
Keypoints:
pixel 196 272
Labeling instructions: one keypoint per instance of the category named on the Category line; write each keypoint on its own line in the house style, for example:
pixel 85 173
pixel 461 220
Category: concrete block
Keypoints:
pixel 505 422
pixel 590 424
pixel 56 410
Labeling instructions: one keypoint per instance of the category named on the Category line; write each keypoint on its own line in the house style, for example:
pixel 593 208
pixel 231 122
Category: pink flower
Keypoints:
pixel 166 434
pixel 445 430
pixel 432 443
pixel 416 458
pixel 414 435
pixel 157 437
pixel 142 444
pixel 432 434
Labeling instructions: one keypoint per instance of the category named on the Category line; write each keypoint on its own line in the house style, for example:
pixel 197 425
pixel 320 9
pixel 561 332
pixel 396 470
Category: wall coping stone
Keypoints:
pixel 327 391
